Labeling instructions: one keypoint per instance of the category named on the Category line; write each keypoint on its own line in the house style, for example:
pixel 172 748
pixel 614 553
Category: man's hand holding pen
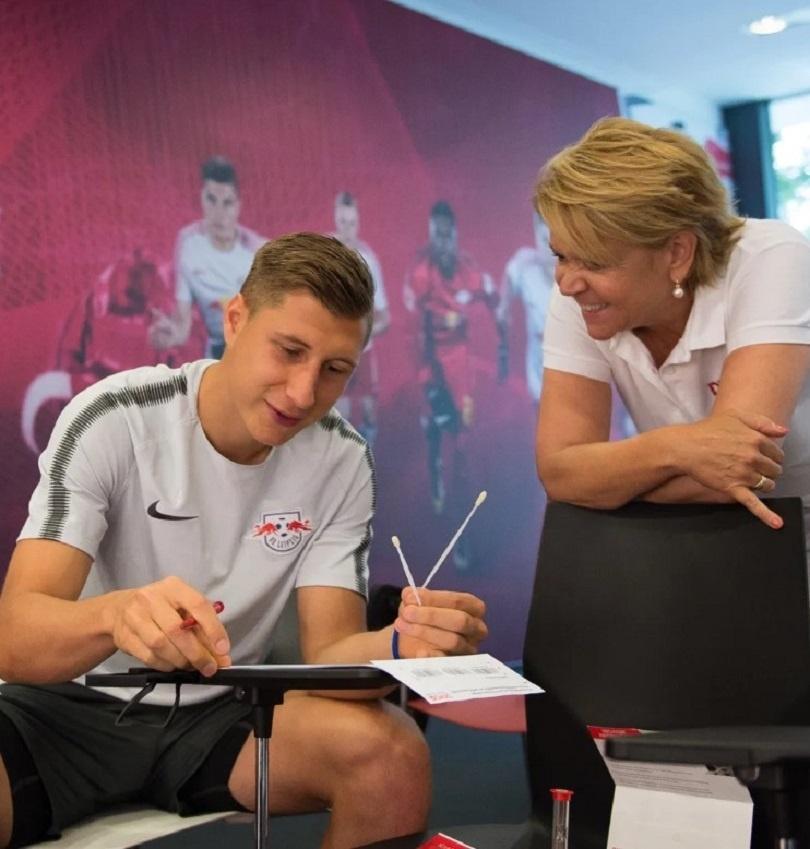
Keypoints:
pixel 153 624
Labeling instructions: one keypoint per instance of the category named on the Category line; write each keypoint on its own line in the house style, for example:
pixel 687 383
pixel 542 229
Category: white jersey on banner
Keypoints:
pixel 209 276
pixel 531 279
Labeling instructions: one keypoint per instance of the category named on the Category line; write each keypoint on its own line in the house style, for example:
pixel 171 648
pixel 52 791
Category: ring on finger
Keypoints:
pixel 760 483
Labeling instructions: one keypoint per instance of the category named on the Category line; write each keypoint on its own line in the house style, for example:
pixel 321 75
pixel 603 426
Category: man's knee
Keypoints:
pixel 387 751
pixel 325 751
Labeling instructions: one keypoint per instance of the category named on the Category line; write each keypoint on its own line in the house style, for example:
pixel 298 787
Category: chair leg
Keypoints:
pixel 784 828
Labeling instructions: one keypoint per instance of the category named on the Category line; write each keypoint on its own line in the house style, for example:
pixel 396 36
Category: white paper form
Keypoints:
pixel 675 806
pixel 455 679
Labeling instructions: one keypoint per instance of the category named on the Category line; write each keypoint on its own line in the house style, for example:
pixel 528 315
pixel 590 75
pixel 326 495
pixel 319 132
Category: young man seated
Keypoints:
pixel 163 490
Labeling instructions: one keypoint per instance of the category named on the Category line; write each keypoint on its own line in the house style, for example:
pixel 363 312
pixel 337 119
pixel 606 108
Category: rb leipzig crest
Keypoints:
pixel 282 532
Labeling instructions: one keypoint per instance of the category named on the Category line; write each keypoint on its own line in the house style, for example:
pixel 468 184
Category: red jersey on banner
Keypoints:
pixel 107 332
pixel 444 305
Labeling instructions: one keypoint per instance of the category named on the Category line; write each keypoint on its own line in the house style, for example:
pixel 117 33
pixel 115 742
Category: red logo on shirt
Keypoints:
pixel 714 386
pixel 282 532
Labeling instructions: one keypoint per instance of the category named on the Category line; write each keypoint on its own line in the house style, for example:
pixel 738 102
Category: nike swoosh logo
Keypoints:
pixel 156 514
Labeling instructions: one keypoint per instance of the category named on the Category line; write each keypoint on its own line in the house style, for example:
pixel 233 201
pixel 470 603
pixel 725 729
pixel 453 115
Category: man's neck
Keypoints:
pixel 219 421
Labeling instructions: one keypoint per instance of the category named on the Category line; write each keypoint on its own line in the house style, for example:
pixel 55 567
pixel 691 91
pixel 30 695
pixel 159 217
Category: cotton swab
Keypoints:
pixel 408 575
pixel 482 497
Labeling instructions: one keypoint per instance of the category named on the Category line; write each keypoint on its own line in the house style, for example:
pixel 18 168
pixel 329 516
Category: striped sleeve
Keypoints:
pixel 87 461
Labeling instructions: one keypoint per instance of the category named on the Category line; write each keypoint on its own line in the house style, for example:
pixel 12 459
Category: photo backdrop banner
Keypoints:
pixel 107 112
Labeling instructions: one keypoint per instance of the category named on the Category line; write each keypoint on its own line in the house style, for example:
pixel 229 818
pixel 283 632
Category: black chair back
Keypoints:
pixel 659 616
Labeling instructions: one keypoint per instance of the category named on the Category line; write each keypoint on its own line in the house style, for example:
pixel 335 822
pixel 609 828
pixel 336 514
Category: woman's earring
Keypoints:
pixel 678 290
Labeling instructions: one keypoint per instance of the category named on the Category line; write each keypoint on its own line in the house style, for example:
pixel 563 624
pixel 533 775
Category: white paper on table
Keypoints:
pixel 675 806
pixel 455 679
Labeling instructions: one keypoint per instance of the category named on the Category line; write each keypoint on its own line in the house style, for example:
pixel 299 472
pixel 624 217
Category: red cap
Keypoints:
pixel 560 795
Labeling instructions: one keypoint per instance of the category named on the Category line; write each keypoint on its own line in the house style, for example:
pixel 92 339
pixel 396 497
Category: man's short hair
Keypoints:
pixel 219 170
pixel 442 209
pixel 324 267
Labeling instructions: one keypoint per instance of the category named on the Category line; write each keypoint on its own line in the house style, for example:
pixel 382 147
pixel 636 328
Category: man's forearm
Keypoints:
pixel 361 647
pixel 44 639
pixel 358 648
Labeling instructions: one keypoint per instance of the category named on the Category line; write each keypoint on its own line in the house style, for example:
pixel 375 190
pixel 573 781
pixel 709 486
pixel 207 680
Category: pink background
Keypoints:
pixel 107 110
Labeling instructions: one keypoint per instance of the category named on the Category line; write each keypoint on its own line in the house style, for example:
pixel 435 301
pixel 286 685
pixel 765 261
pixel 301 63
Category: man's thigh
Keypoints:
pixel 320 744
pixel 76 754
pixel 86 759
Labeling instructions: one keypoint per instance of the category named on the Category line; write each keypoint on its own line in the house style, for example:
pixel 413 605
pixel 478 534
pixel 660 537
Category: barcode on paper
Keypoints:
pixel 422 672
pixel 427 672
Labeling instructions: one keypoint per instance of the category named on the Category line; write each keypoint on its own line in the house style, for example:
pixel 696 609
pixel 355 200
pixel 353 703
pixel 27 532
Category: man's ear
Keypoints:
pixel 235 315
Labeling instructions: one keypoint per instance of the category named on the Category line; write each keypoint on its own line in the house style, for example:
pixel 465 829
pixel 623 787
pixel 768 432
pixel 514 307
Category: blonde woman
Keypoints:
pixel 699 317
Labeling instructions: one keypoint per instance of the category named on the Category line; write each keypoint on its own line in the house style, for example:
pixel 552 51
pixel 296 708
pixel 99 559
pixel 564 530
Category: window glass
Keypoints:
pixel 790 124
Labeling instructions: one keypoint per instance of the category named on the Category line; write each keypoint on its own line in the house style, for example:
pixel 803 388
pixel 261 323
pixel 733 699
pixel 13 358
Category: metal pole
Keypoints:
pixel 264 702
pixel 262 816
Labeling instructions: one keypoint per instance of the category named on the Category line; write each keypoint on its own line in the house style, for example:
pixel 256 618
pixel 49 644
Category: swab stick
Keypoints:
pixel 482 496
pixel 408 575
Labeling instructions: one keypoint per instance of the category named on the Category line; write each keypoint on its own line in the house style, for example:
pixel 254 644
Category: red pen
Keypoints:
pixel 218 606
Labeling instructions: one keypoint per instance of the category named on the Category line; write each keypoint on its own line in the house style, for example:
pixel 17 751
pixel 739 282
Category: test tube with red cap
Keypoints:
pixel 560 814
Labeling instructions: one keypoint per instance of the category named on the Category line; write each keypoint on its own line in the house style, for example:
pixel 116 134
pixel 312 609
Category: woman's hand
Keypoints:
pixel 734 452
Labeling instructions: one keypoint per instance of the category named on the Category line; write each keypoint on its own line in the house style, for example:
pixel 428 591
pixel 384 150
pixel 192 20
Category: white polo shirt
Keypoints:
pixel 763 297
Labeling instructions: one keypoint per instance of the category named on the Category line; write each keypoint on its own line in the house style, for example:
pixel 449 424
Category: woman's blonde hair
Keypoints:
pixel 625 183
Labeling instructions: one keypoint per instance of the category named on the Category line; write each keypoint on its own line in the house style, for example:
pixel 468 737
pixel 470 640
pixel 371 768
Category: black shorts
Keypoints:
pixel 86 762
